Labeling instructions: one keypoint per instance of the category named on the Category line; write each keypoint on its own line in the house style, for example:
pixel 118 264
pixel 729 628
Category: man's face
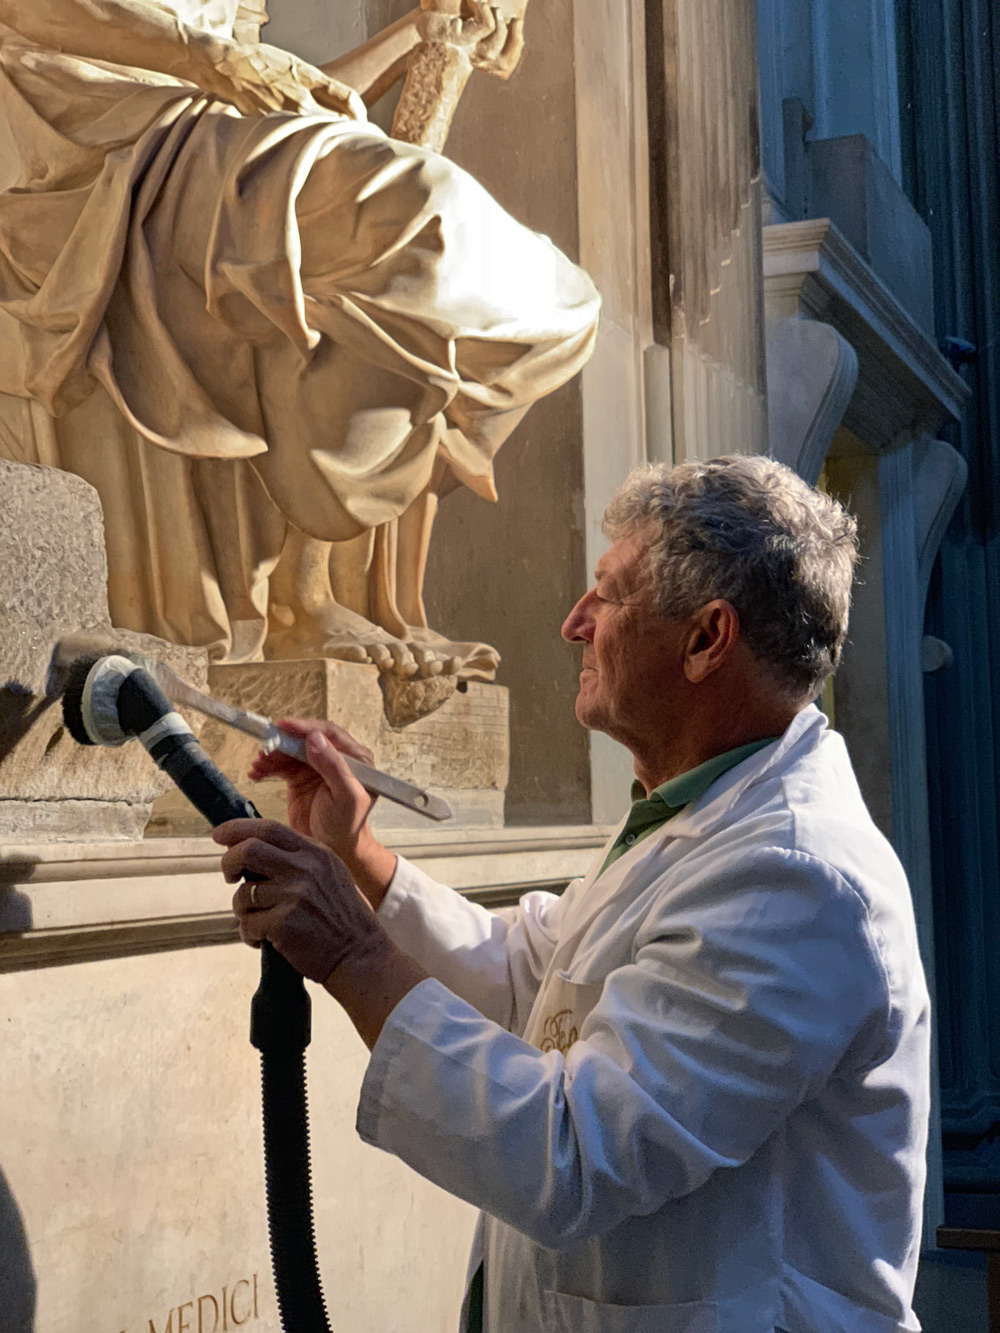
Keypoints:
pixel 630 652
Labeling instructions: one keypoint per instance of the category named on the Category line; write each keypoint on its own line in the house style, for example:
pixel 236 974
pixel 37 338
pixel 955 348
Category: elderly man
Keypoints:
pixel 690 1095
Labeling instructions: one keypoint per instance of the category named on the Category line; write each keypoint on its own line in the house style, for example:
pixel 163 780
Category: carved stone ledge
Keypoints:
pixel 78 903
pixel 905 386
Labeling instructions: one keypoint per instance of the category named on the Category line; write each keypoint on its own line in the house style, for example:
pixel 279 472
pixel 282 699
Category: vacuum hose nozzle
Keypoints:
pixel 111 700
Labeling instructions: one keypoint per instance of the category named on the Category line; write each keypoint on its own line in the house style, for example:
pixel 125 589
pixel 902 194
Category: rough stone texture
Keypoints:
pixel 53 583
pixel 62 821
pixel 406 701
pixel 460 752
pixel 53 571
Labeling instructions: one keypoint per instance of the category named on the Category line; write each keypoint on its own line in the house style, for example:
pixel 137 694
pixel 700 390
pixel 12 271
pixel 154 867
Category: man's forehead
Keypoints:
pixel 623 559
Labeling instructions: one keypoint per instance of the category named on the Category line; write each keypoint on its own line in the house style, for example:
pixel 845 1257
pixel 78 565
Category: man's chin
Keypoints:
pixel 588 713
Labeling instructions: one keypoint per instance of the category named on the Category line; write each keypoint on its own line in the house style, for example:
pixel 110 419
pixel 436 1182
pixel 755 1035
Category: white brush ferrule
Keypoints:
pixel 170 725
pixel 99 705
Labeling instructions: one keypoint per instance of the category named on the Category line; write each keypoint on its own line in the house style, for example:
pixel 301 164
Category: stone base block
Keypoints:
pixel 53 584
pixel 461 751
pixel 62 821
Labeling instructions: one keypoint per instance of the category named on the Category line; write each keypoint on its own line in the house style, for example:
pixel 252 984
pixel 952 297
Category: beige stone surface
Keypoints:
pixel 53 571
pixel 460 751
pixel 132 1161
pixel 53 578
pixel 708 306
pixel 131 1182
pixel 70 820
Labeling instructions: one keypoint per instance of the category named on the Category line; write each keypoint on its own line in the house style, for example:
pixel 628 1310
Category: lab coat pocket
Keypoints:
pixel 573 1314
pixel 560 1012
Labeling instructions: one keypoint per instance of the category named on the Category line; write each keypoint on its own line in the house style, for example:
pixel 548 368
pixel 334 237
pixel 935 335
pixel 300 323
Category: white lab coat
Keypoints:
pixel 715 1119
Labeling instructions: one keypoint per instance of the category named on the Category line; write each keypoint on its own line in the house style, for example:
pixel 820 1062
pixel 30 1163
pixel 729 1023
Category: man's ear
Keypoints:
pixel 715 632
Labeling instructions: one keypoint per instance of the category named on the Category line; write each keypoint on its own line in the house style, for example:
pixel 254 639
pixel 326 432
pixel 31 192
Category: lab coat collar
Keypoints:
pixel 697 820
pixel 715 808
pixel 704 815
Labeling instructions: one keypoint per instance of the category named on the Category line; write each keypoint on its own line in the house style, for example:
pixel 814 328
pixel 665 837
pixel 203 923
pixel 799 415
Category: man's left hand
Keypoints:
pixel 299 896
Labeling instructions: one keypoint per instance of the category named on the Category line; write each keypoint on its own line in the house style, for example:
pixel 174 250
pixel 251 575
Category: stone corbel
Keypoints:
pixel 812 371
pixel 940 475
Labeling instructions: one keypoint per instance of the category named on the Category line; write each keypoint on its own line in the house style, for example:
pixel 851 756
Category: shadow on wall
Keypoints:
pixel 18 1287
pixel 19 711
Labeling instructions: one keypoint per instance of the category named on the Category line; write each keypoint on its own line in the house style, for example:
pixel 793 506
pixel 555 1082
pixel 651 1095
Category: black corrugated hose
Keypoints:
pixel 280 1014
pixel 279 1028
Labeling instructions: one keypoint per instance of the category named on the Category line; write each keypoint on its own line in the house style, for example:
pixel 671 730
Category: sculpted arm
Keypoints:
pixel 256 79
pixel 373 68
pixel 127 32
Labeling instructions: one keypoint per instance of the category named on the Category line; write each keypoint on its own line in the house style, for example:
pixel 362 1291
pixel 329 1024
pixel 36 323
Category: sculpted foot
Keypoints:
pixel 334 631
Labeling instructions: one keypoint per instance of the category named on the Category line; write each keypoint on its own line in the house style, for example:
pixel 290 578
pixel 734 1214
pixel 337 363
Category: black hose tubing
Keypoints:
pixel 289 1194
pixel 280 1030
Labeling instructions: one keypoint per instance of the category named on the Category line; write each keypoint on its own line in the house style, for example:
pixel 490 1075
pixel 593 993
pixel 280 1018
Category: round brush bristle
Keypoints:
pixel 72 704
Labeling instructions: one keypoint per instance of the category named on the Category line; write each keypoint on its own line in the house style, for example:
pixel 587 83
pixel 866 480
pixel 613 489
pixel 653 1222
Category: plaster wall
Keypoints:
pixel 132 1162
pixel 523 562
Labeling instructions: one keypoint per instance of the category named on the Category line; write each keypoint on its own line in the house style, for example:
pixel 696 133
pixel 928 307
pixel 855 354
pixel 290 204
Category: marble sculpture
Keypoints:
pixel 270 335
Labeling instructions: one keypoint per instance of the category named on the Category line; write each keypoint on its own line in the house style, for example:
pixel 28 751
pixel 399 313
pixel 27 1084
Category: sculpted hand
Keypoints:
pixel 258 79
pixel 304 902
pixel 327 803
pixel 492 43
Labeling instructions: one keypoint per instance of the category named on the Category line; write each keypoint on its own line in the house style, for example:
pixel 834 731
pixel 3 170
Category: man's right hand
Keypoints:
pixel 326 801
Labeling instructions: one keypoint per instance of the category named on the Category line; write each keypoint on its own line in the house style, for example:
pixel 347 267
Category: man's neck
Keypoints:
pixel 661 759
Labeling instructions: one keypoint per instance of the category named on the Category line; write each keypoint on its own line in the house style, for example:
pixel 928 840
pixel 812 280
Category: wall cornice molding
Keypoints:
pixel 80 902
pixel 905 386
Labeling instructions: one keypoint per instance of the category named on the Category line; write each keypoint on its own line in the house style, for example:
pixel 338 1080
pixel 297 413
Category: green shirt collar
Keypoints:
pixel 689 786
pixel 651 812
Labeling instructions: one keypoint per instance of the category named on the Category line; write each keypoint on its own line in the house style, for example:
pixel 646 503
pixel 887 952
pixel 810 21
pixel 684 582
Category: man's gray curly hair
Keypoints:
pixel 751 532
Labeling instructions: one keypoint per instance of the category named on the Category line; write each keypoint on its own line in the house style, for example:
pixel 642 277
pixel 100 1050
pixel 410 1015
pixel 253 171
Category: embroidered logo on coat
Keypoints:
pixel 559 1032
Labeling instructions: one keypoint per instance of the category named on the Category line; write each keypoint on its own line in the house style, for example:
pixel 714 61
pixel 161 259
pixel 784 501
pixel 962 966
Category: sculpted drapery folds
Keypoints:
pixel 270 335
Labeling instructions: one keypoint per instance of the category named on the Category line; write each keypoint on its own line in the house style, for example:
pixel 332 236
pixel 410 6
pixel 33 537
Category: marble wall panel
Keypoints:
pixel 131 1173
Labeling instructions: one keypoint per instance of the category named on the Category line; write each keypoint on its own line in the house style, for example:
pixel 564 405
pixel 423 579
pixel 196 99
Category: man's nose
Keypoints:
pixel 578 625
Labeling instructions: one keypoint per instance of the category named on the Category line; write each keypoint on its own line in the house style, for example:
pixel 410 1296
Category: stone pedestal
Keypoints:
pixel 459 752
pixel 131 1171
pixel 53 583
